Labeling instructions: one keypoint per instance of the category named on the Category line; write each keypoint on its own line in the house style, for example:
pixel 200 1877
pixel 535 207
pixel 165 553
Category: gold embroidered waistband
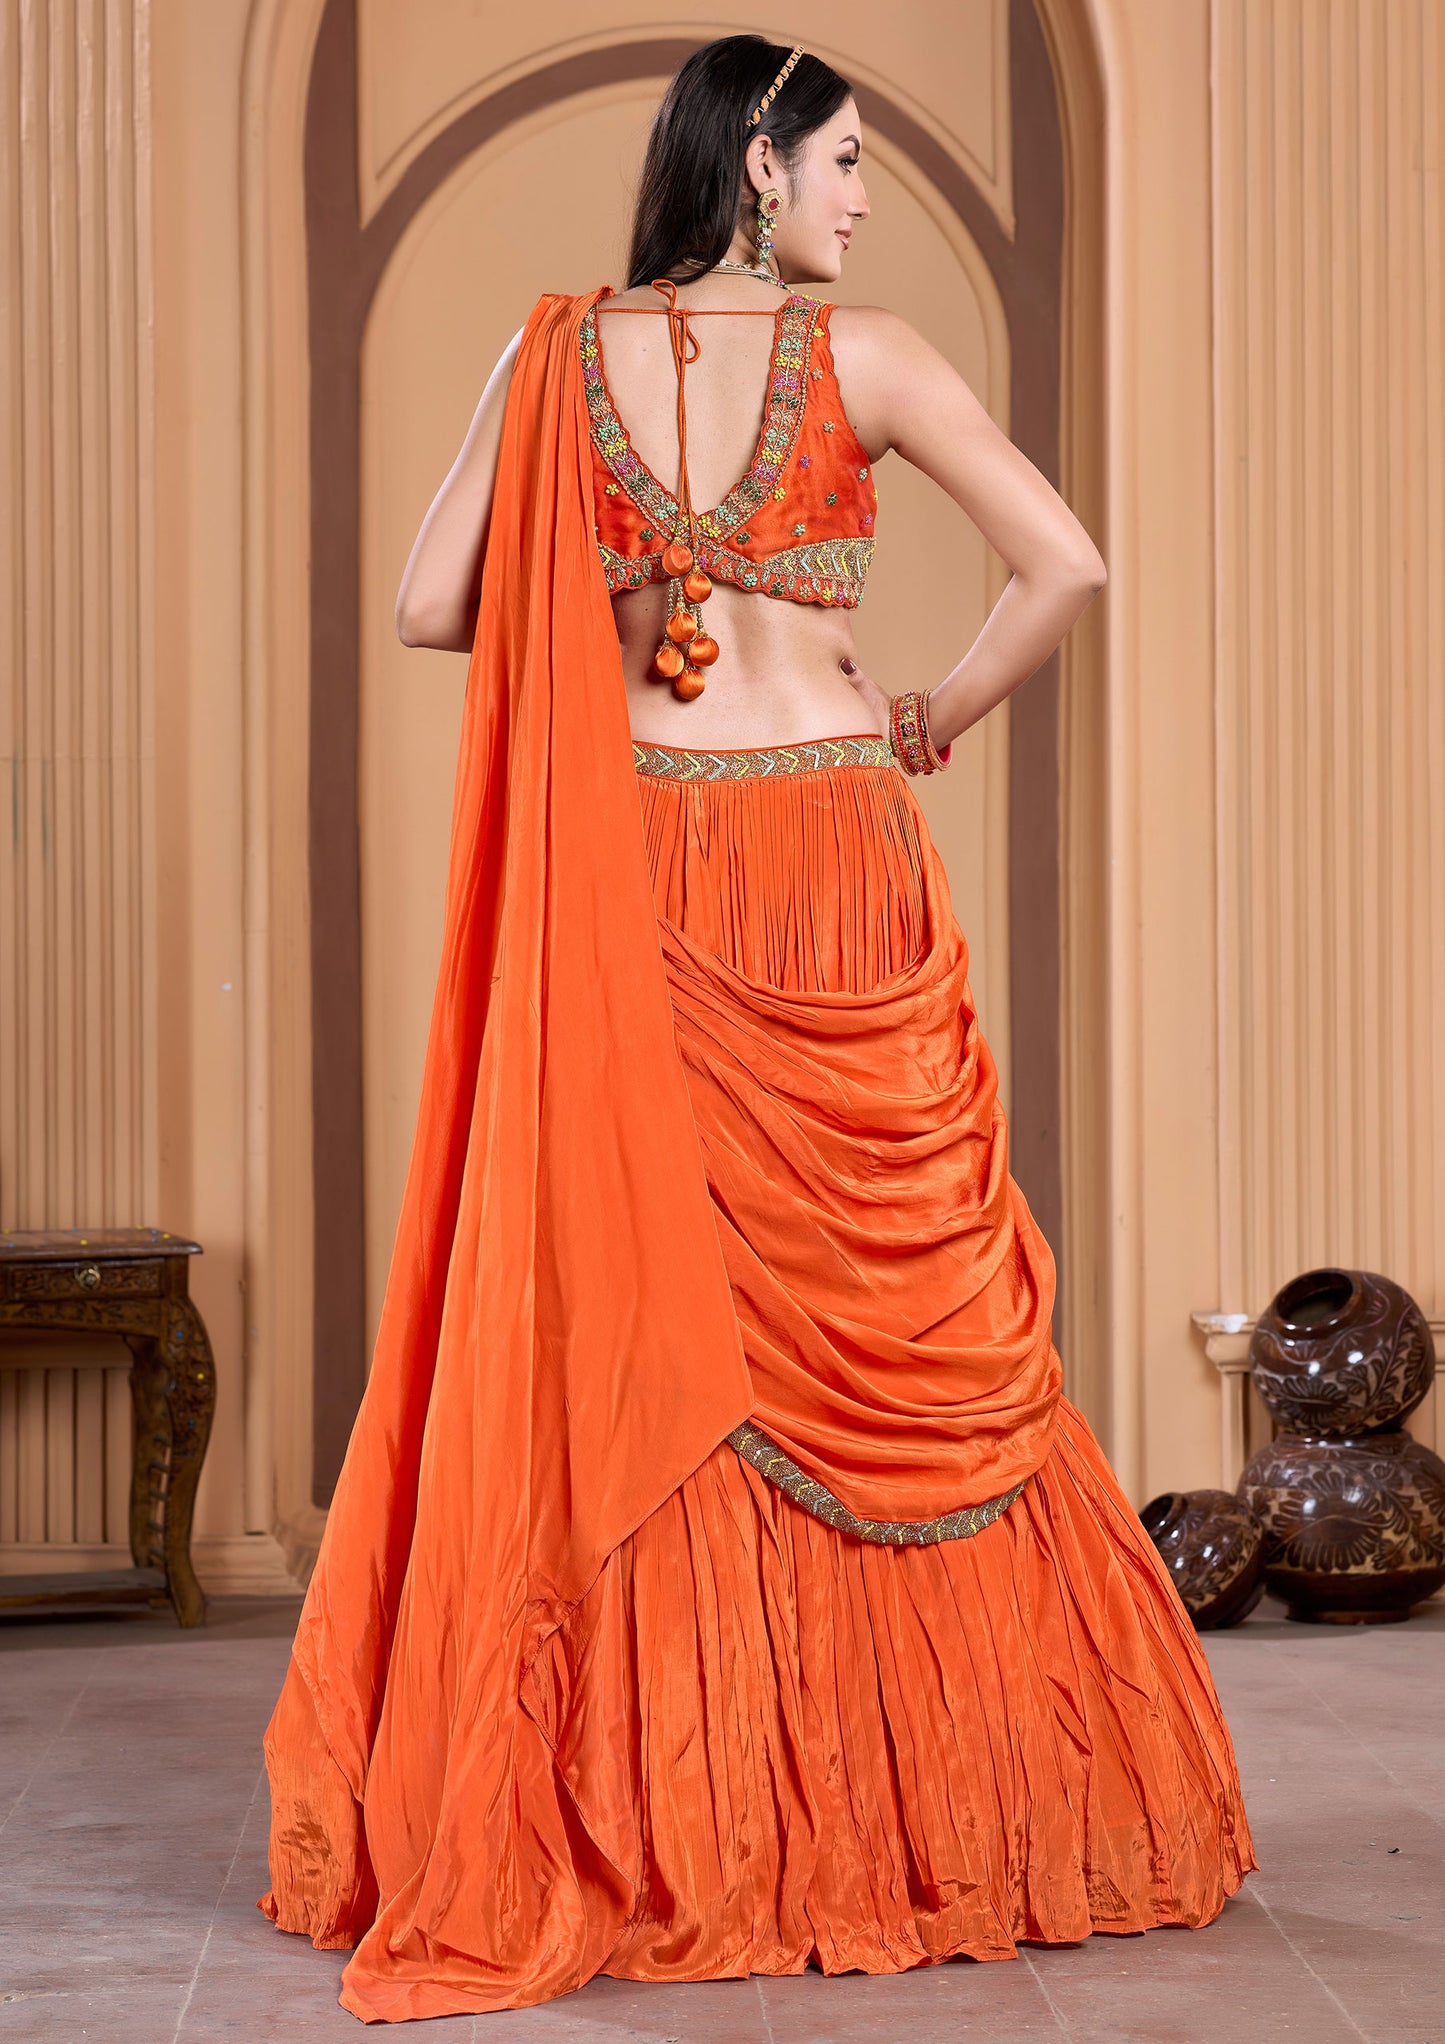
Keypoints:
pixel 769 1460
pixel 806 756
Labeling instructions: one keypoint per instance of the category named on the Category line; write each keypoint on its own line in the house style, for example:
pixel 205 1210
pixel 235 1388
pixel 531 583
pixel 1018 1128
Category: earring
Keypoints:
pixel 769 205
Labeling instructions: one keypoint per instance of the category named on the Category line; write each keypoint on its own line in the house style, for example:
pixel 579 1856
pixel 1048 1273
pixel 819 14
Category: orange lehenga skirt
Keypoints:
pixel 764 1736
pixel 810 1747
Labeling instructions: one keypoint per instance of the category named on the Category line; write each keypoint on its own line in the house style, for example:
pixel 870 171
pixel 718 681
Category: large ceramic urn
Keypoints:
pixel 1351 1507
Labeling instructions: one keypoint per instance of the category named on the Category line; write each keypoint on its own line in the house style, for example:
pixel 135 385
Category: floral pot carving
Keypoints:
pixel 1354 1531
pixel 1351 1507
pixel 1213 1549
pixel 1338 1353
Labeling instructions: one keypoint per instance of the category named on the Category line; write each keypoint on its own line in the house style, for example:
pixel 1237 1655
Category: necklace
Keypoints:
pixel 750 270
pixel 763 274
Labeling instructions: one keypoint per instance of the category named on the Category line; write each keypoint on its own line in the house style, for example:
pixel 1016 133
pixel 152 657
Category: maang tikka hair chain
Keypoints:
pixel 772 92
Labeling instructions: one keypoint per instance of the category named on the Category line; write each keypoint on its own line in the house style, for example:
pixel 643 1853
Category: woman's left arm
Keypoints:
pixel 441 588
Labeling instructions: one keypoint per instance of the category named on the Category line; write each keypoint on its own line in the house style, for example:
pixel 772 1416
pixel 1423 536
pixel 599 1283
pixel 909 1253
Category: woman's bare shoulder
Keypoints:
pixel 886 372
pixel 632 294
pixel 902 392
pixel 875 334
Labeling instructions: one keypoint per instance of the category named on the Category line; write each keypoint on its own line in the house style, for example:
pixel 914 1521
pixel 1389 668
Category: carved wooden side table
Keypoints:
pixel 132 1282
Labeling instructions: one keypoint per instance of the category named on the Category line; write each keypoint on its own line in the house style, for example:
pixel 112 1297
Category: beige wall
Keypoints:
pixel 1328 649
pixel 1252 714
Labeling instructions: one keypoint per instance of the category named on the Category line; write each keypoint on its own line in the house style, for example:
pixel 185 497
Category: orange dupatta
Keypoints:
pixel 533 1393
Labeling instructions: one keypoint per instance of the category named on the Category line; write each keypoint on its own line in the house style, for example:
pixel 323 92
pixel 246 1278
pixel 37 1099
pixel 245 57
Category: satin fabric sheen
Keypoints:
pixel 573 1689
pixel 893 1289
pixel 557 1346
pixel 799 1747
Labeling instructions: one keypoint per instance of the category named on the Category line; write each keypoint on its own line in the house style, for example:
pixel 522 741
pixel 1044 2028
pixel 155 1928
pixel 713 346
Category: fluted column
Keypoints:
pixel 77 864
pixel 1330 645
pixel 76 858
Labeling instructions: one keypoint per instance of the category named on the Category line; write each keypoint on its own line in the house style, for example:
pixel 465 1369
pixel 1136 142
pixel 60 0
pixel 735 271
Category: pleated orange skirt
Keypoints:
pixel 803 1747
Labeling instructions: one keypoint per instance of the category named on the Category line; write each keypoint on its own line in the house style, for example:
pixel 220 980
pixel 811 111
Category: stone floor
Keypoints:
pixel 134 1813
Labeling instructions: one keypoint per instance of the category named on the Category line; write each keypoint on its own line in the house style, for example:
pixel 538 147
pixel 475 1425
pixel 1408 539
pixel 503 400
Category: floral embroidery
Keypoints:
pixel 825 571
pixel 782 416
pixel 622 572
pixel 818 571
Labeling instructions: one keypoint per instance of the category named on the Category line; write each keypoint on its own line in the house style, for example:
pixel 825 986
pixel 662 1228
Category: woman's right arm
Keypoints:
pixel 902 393
pixel 441 588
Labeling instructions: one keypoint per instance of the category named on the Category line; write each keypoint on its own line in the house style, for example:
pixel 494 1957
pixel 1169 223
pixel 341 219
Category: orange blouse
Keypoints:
pixel 799 524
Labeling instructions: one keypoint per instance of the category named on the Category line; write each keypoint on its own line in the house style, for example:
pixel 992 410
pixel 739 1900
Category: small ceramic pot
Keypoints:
pixel 1338 1353
pixel 1213 1550
pixel 1354 1531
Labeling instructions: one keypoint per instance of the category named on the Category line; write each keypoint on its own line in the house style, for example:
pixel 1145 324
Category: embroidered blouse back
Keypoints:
pixel 799 524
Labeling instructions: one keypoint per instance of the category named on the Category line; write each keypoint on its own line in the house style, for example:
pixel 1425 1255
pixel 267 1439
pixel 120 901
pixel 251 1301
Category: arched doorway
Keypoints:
pixel 1054 750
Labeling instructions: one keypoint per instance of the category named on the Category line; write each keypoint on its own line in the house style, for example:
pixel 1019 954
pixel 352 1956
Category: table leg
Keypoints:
pixel 173 1387
pixel 191 1402
pixel 152 1444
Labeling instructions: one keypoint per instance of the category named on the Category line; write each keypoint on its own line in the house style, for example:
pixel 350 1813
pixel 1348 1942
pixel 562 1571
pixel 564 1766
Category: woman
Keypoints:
pixel 718 1579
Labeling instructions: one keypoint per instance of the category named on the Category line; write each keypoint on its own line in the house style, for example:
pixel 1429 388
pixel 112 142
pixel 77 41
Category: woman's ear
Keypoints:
pixel 759 164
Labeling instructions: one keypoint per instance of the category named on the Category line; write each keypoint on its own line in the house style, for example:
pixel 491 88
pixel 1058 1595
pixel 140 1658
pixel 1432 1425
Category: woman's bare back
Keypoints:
pixel 777 675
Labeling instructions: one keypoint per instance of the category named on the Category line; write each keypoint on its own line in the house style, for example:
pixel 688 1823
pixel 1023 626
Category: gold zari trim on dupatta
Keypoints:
pixel 781 1470
pixel 806 756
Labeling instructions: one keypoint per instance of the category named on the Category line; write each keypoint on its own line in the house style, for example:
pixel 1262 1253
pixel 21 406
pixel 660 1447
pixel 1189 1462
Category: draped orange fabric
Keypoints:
pixel 893 1288
pixel 558 1345
pixel 684 1159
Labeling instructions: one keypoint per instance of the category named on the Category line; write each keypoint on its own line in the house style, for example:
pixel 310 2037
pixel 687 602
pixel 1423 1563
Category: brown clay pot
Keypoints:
pixel 1213 1550
pixel 1354 1531
pixel 1338 1353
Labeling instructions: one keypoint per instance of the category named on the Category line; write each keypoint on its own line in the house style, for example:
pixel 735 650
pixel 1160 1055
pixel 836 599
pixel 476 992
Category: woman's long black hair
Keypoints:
pixel 692 175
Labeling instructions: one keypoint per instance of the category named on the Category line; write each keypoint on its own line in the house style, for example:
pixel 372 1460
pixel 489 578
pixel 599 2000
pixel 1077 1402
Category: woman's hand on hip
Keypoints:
pixel 878 704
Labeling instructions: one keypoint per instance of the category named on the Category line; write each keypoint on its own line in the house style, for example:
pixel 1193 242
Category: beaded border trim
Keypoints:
pixel 782 416
pixel 826 571
pixel 807 756
pixel 781 1470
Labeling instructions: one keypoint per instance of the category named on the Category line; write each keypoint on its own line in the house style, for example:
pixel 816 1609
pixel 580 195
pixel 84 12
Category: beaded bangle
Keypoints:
pixel 911 739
